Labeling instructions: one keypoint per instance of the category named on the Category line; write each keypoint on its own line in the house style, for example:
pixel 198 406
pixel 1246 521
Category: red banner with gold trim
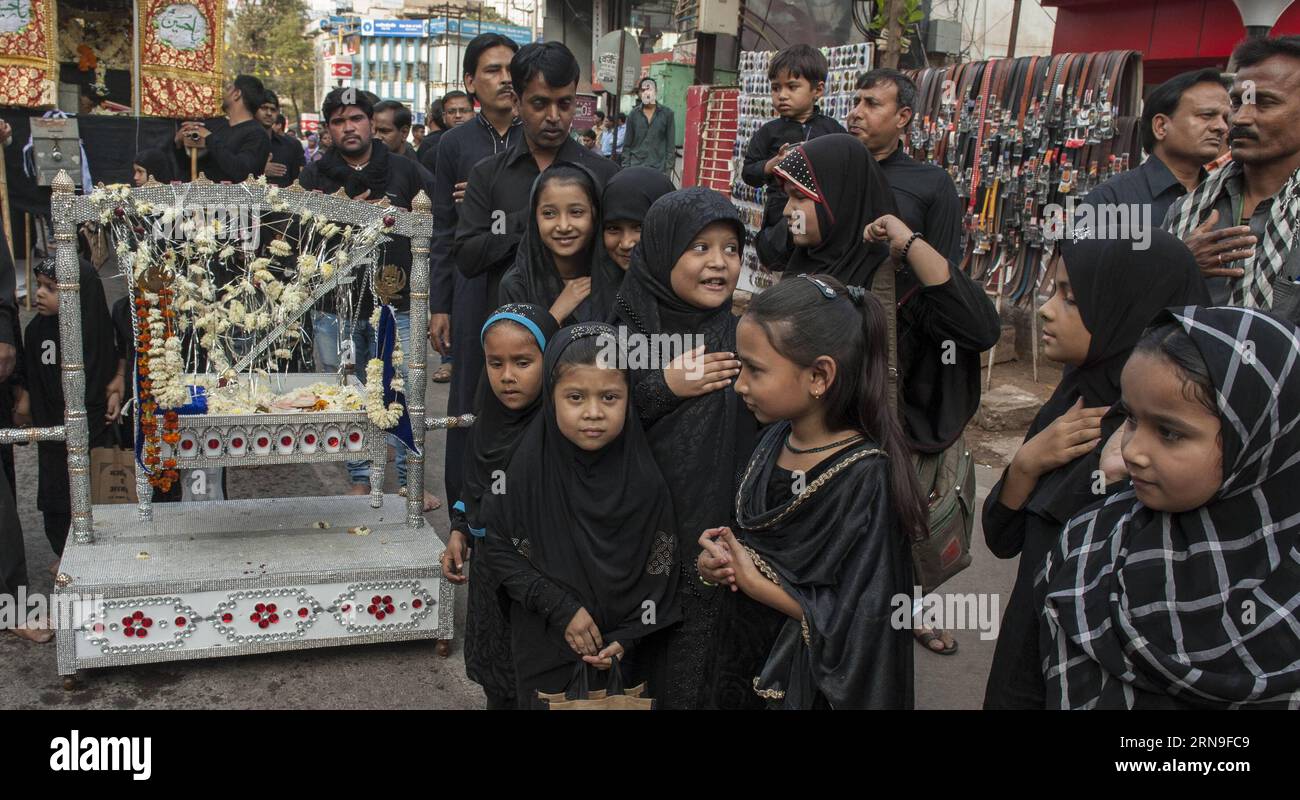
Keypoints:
pixel 180 57
pixel 29 46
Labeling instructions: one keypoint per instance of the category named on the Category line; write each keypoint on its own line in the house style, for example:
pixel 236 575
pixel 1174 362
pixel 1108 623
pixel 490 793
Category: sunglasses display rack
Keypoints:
pixel 755 109
pixel 1019 137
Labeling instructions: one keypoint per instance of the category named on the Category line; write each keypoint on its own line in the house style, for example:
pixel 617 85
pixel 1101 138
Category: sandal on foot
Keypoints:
pixel 925 636
pixel 443 375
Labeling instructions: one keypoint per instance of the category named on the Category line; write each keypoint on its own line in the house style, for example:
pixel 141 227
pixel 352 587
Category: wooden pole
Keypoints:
pixel 27 256
pixel 4 198
pixel 1015 27
pixel 194 163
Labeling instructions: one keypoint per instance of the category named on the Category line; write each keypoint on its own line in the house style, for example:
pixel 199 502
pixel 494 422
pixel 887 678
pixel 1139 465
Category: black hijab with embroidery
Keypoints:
pixel 840 175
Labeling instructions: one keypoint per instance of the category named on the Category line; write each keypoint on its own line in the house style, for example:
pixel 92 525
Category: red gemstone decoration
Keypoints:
pixel 309 438
pixel 130 631
pixel 379 615
pixel 389 221
pixel 213 444
pixel 263 624
pixel 371 609
pixel 354 437
pixel 417 603
pixel 120 212
pixel 140 633
pixel 147 622
pixel 333 441
pixel 181 622
pixel 275 618
pixel 254 617
pixel 388 608
pixel 285 441
pixel 128 621
pixel 345 609
pixel 188 444
pixel 388 599
pixel 138 615
pixel 227 618
pixel 262 441
pixel 271 607
pixel 302 612
pixel 377 600
pixel 259 608
pixel 236 442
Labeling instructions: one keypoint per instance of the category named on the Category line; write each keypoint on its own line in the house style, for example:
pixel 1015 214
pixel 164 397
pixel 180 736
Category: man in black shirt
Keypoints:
pixel 458 305
pixel 1184 127
pixel 925 194
pixel 449 111
pixel 363 166
pixel 287 157
pixel 233 148
pixel 494 215
pixel 392 126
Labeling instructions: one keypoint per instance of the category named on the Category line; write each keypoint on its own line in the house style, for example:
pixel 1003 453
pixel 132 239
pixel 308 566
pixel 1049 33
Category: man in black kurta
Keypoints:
pixel 234 147
pixel 287 156
pixel 925 194
pixel 458 304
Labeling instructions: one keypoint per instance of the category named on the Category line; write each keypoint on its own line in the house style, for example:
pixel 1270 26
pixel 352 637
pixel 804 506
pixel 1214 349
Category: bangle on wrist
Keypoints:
pixel 915 235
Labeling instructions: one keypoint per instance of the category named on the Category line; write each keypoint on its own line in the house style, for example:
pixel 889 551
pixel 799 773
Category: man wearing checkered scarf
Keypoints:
pixel 1241 223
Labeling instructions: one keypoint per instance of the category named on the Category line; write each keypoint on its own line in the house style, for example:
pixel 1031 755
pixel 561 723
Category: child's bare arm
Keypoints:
pixel 22 406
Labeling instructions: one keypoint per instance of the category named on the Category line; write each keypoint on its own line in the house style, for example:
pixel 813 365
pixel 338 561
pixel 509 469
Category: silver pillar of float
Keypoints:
pixel 68 269
pixel 417 351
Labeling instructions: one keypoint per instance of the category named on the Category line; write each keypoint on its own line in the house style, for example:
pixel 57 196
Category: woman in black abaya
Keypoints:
pixel 700 442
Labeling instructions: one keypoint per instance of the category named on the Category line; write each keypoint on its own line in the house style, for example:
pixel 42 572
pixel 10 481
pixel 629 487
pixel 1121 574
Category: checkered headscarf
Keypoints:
pixel 1202 605
pixel 1255 288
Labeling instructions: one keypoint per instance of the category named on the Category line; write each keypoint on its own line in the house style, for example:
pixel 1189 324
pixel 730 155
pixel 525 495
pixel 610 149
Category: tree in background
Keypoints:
pixel 266 39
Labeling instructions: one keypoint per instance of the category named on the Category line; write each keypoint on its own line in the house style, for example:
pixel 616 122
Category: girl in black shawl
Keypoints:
pixel 552 268
pixel 1106 292
pixel 626 199
pixel 42 351
pixel 1180 589
pixel 154 163
pixel 509 396
pixel 826 510
pixel 581 541
pixel 679 284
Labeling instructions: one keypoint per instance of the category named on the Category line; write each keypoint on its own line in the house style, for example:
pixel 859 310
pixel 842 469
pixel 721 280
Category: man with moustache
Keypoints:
pixel 1184 125
pixel 1239 223
pixel 458 304
pixel 233 148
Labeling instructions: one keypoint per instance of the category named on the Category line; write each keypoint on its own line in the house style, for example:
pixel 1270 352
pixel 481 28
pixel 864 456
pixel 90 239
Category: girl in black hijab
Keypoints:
pixel 1107 291
pixel 581 540
pixel 939 389
pixel 626 199
pixel 509 397
pixel 821 563
pixel 552 267
pixel 699 429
